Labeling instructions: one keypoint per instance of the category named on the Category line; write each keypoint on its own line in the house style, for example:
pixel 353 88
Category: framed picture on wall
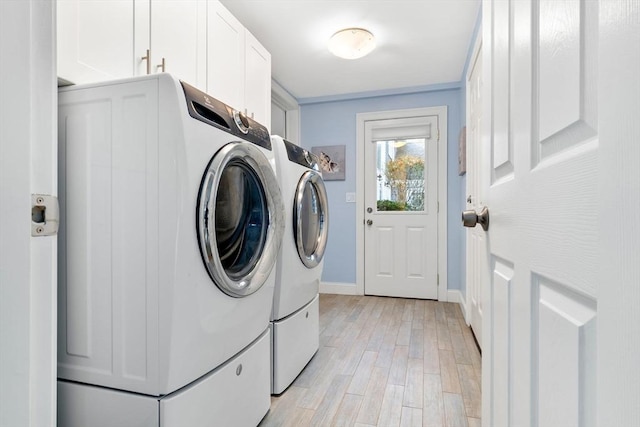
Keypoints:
pixel 462 151
pixel 332 161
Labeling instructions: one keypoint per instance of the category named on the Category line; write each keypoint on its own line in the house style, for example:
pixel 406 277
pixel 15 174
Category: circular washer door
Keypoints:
pixel 239 219
pixel 311 218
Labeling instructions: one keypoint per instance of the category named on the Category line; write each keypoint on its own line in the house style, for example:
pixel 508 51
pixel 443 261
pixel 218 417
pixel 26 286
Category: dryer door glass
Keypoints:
pixel 311 218
pixel 240 215
pixel 241 219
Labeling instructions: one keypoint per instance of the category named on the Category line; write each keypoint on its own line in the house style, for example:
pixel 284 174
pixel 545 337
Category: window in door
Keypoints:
pixel 400 174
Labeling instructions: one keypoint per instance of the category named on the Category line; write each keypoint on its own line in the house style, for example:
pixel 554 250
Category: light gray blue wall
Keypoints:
pixel 333 122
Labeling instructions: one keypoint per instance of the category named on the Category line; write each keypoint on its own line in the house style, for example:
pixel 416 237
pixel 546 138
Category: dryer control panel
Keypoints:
pixel 211 111
pixel 301 156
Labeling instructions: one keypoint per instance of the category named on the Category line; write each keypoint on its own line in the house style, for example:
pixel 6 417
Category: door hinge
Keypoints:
pixel 45 215
pixel 438 279
pixel 438 209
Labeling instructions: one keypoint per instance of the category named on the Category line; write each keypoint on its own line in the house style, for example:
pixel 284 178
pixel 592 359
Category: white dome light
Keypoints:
pixel 352 43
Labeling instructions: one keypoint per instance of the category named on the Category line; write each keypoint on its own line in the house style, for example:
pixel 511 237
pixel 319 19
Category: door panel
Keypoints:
pixel 542 146
pixel 502 320
pixel 565 330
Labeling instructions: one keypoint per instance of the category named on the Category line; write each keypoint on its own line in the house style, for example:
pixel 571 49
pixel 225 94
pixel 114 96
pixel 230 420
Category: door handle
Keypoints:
pixel 471 218
pixel 148 59
pixel 469 199
pixel 162 65
pixel 369 222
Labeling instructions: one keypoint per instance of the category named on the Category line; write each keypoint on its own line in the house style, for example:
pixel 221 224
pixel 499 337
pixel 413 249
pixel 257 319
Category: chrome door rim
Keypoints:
pixel 257 161
pixel 315 179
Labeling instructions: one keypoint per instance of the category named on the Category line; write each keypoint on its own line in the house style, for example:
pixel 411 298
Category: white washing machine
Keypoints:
pixel 295 317
pixel 171 224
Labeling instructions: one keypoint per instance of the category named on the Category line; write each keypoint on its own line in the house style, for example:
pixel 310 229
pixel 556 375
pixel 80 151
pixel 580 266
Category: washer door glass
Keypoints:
pixel 239 219
pixel 311 219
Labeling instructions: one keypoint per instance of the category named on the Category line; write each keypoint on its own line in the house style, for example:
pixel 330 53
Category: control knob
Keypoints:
pixel 242 122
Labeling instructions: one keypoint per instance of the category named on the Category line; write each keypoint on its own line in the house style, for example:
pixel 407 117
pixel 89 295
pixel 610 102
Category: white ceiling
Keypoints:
pixel 420 42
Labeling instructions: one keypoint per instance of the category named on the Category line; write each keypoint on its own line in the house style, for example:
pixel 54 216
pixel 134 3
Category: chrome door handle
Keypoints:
pixel 471 218
pixel 369 222
pixel 162 65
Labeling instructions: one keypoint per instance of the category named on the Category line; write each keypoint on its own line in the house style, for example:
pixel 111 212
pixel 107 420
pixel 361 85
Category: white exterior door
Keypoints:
pixel 401 202
pixel 476 244
pixel 540 136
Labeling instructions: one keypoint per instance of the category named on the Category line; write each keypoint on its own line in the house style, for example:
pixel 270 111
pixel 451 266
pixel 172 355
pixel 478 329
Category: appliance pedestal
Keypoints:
pixel 295 340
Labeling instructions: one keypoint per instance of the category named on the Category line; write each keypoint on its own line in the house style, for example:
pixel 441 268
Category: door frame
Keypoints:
pixel 477 45
pixel 361 119
pixel 288 103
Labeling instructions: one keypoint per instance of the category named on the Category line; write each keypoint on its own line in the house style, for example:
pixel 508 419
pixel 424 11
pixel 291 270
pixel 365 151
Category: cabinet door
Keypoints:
pixel 257 80
pixel 225 56
pixel 178 35
pixel 95 39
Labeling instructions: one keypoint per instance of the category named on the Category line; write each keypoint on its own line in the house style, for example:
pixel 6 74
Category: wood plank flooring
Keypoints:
pixel 386 362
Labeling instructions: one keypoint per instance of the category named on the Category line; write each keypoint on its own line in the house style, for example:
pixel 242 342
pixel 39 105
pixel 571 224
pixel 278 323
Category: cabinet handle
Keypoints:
pixel 147 58
pixel 162 65
pixel 252 115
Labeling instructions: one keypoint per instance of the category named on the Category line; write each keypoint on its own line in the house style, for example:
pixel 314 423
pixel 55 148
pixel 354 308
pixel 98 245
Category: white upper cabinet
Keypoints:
pixel 108 39
pixel 257 80
pixel 198 41
pixel 178 39
pixel 96 39
pixel 225 56
pixel 238 66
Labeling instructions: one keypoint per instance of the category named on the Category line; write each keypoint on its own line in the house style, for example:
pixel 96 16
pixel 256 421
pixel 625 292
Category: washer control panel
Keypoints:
pixel 211 111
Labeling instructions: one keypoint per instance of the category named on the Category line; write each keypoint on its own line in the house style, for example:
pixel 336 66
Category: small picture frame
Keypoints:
pixel 462 151
pixel 332 161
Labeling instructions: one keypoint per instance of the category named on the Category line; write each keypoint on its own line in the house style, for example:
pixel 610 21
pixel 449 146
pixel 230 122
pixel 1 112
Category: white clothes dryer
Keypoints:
pixel 295 316
pixel 171 225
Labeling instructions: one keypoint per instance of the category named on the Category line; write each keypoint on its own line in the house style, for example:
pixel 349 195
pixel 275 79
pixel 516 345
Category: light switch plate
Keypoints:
pixel 351 198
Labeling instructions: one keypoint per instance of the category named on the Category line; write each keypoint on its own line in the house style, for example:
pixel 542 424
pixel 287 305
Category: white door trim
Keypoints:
pixel 361 118
pixel 474 57
pixel 288 103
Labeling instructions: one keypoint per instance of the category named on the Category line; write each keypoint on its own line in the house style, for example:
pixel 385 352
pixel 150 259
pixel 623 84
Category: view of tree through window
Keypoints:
pixel 400 169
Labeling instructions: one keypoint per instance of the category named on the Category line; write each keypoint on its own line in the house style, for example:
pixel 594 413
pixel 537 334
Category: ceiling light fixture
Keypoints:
pixel 352 43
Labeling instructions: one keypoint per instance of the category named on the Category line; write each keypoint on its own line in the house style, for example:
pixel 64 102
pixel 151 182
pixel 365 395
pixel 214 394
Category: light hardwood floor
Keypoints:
pixel 386 362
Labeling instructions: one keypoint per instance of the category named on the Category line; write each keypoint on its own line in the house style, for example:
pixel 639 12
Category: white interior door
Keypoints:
pixel 401 202
pixel 28 159
pixel 540 130
pixel 619 213
pixel 476 244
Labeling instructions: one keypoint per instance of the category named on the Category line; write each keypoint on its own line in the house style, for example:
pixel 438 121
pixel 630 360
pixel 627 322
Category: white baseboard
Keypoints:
pixel 454 295
pixel 338 288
